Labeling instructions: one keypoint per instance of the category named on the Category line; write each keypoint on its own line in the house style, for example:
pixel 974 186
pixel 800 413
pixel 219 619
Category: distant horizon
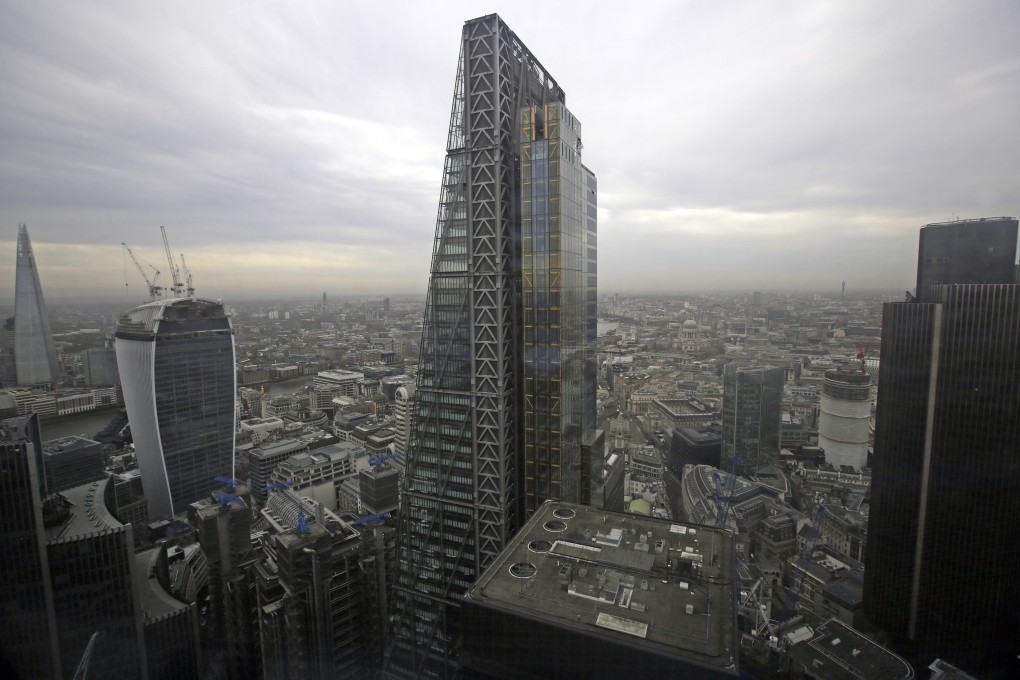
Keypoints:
pixel 58 301
pixel 810 145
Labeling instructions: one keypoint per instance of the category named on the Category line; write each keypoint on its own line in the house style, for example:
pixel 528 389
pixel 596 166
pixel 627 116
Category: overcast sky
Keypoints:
pixel 296 147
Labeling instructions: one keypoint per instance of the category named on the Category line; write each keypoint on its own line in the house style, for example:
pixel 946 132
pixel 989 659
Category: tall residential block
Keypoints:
pixel 176 362
pixel 752 412
pixel 35 356
pixel 844 423
pixel 502 419
pixel 941 547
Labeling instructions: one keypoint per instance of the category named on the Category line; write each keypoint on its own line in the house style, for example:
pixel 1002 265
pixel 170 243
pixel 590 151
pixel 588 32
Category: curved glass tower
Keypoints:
pixel 35 356
pixel 176 362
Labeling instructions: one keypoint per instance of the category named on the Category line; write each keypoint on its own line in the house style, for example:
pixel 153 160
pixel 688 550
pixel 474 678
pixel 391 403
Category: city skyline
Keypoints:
pixel 753 138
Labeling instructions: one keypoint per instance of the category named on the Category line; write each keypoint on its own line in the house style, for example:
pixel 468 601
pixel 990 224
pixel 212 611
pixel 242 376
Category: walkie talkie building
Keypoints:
pixel 176 362
pixel 504 403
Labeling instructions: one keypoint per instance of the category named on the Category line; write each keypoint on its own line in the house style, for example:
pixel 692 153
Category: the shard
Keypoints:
pixel 35 357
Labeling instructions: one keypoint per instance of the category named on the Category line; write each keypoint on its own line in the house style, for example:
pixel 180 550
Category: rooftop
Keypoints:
pixel 663 586
pixel 839 652
pixel 87 512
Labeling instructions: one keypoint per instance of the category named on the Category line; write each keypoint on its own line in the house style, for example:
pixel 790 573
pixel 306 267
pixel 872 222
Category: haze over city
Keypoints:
pixel 291 148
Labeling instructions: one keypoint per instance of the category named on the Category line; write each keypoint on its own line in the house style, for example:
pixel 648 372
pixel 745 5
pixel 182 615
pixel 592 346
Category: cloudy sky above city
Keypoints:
pixel 296 147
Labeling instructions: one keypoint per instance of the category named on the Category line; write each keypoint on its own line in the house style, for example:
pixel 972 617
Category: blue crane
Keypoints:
pixel 228 482
pixel 372 520
pixel 377 461
pixel 724 505
pixel 226 499
pixel 302 523
pixel 275 486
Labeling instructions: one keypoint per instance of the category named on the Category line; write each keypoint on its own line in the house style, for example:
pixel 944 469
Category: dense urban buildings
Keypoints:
pixel 71 572
pixel 941 568
pixel 582 592
pixel 35 357
pixel 508 323
pixel 176 361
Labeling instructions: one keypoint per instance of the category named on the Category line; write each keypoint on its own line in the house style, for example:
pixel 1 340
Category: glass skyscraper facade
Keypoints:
pixel 176 363
pixel 751 416
pixel 558 272
pixel 504 340
pixel 35 355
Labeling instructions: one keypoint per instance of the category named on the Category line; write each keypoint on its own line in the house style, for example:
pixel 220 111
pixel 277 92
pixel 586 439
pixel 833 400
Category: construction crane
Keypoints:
pixel 229 482
pixel 863 349
pixel 723 505
pixel 153 285
pixel 302 523
pixel 225 499
pixel 377 461
pixel 189 287
pixel 372 520
pixel 276 486
pixel 83 665
pixel 175 273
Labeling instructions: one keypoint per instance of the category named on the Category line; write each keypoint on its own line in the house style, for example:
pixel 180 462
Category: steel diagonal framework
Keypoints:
pixel 459 500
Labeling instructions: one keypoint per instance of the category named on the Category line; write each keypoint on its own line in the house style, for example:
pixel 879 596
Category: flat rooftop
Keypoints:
pixel 667 587
pixel 839 652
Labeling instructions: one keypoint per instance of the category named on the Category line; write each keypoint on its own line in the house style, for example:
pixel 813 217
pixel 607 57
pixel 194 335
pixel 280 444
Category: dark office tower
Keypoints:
pixel 67 567
pixel 231 633
pixel 176 363
pixel 464 492
pixel 323 300
pixel 28 646
pixel 967 251
pixel 35 356
pixel 942 549
pixel 316 595
pixel 558 257
pixel 751 415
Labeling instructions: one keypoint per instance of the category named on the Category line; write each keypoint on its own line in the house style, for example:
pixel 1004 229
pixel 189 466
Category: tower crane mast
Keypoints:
pixel 154 288
pixel 175 272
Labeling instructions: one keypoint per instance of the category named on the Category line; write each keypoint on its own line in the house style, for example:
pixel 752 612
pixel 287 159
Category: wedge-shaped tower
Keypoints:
pixel 503 416
pixel 35 356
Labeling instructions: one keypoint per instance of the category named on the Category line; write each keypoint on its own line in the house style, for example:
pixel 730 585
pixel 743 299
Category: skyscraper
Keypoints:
pixel 945 473
pixel 558 258
pixel 35 355
pixel 176 362
pixel 967 251
pixel 751 415
pixel 508 319
pixel 844 422
pixel 29 644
